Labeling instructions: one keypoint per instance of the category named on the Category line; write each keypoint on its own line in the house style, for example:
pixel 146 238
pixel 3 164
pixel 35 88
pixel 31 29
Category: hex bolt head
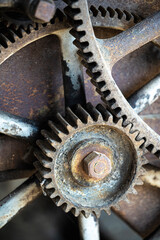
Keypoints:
pixel 97 165
pixel 45 10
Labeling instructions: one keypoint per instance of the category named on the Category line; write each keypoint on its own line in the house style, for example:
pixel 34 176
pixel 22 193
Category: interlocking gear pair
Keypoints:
pixel 120 138
pixel 66 180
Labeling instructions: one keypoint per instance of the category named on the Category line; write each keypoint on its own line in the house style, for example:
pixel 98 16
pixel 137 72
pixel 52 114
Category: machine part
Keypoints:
pixel 130 213
pixel 17 127
pixel 99 63
pixel 146 95
pixel 18 199
pixel 21 13
pixel 41 11
pixel 72 139
pixel 97 165
pixel 152 176
pixel 143 212
pixel 89 227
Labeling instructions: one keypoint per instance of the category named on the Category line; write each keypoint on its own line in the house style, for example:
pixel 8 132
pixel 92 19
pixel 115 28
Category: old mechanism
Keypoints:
pixel 88 157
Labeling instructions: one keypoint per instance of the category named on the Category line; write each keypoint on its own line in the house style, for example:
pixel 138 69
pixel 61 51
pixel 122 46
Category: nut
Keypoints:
pixel 97 165
pixel 45 11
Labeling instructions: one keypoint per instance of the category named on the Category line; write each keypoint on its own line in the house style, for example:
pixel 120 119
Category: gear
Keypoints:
pixel 13 37
pixel 66 146
pixel 100 72
pixel 14 20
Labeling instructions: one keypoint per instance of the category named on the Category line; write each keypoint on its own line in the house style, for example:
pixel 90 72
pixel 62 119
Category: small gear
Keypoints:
pixel 91 137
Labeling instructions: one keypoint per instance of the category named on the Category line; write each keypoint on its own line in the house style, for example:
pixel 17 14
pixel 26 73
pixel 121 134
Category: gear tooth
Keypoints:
pixel 4 41
pixel 43 171
pixel 86 213
pixel 73 117
pixel 54 195
pixel 117 207
pixel 102 11
pixel 134 191
pixel 94 113
pixel 46 148
pixel 97 213
pixel 125 198
pixel 67 207
pixel 134 132
pixel 144 160
pixel 83 114
pixel 142 171
pixel 49 137
pixel 49 185
pixel 47 175
pixel 104 114
pixel 75 212
pixel 139 182
pixel 60 202
pixel 63 121
pixel 42 158
pixel 94 11
pixel 128 127
pixel 56 131
pixel 108 211
pixel 120 122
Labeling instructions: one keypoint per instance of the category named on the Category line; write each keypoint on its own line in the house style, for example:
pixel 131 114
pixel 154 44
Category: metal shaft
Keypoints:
pixel 146 95
pixel 17 127
pixel 18 199
pixel 89 227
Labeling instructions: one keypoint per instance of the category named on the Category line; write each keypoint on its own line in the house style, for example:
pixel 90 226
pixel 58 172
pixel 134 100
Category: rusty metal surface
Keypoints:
pixel 99 63
pixel 28 86
pixel 16 174
pixel 143 212
pixel 14 154
pixel 155 68
pixel 19 104
pixel 18 199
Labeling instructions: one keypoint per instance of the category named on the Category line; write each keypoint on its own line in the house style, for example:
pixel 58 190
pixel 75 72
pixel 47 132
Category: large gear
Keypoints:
pixel 14 38
pixel 99 68
pixel 70 140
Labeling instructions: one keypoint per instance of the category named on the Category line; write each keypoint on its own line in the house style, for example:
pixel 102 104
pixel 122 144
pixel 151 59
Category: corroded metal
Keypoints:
pixel 146 95
pixel 62 175
pixel 113 1
pixel 97 165
pixel 17 127
pixel 143 212
pixel 18 199
pixel 89 227
pixel 99 63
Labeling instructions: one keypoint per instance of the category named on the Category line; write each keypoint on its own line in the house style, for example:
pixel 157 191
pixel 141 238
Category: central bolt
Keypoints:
pixel 97 165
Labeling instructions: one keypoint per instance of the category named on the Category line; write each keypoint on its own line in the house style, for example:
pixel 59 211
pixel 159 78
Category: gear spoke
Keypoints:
pixel 73 80
pixel 133 38
pixel 18 199
pixel 89 227
pixel 17 127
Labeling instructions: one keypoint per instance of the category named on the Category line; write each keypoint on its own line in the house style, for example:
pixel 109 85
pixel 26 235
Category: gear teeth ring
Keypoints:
pixel 101 73
pixel 56 139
